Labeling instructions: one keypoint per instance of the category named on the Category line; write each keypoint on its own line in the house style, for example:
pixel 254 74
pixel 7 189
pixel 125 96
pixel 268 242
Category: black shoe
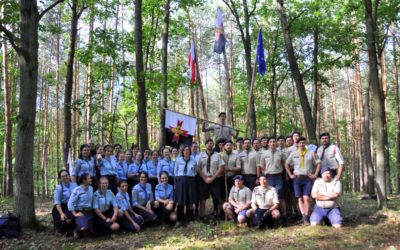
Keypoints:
pixel 285 221
pixel 260 226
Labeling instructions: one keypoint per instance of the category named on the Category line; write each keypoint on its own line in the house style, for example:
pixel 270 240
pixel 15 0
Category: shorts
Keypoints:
pixel 302 186
pixel 333 214
pixel 242 213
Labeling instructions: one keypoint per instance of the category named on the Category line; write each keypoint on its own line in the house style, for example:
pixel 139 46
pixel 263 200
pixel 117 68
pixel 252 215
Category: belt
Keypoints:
pixel 84 210
pixel 302 176
pixel 279 174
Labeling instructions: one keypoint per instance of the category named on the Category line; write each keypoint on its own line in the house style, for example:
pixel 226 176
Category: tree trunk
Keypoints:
pixel 7 157
pixel 164 72
pixel 315 110
pixel 294 68
pixel 229 102
pixel 69 81
pixel 378 107
pixel 334 115
pixel 140 77
pixel 58 83
pixel 45 141
pixel 396 87
pixel 89 84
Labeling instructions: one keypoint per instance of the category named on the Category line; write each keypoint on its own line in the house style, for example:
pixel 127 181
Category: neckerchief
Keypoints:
pixel 209 161
pixel 186 164
pixel 144 190
pixel 302 154
pixel 323 151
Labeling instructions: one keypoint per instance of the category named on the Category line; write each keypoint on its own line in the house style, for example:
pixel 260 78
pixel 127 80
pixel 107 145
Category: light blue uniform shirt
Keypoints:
pixel 107 167
pixel 104 201
pixel 123 201
pixel 121 171
pixel 180 163
pixel 164 192
pixel 141 195
pixel 82 166
pixel 81 198
pixel 152 168
pixel 63 192
pixel 114 160
pixel 196 156
pixel 135 168
pixel 164 165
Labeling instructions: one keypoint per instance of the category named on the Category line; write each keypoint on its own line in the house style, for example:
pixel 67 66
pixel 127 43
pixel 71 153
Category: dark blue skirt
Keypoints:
pixel 185 190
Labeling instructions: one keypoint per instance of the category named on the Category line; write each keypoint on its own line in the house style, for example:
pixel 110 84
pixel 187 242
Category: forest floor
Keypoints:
pixel 364 227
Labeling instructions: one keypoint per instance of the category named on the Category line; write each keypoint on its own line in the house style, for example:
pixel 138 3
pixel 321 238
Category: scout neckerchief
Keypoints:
pixel 186 164
pixel 209 161
pixel 144 190
pixel 105 196
pixel 302 154
pixel 323 151
pixel 165 191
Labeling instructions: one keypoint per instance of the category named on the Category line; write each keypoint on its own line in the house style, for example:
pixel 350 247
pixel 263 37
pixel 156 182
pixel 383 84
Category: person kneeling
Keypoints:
pixel 105 208
pixel 264 204
pixel 239 200
pixel 127 219
pixel 164 203
pixel 143 199
pixel 326 191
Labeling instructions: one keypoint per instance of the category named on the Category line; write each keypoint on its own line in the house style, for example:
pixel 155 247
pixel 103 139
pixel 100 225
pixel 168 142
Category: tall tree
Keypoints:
pixel 27 49
pixel 76 13
pixel 164 71
pixel 396 87
pixel 140 78
pixel 296 75
pixel 378 104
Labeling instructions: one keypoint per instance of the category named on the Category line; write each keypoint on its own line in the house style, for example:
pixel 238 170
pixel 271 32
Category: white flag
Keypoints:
pixel 179 121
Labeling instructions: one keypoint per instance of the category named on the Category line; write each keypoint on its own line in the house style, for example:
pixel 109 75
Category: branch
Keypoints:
pixel 81 10
pixel 254 8
pixel 49 8
pixel 10 36
pixel 296 17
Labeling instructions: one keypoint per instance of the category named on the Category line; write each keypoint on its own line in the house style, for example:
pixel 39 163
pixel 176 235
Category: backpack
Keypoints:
pixel 10 226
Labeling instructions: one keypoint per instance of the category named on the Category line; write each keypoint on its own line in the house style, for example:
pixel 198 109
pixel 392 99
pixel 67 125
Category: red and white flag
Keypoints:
pixel 192 63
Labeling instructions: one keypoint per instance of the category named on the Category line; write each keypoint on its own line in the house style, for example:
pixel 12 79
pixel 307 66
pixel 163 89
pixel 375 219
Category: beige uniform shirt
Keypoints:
pixel 231 161
pixel 241 196
pixel 310 162
pixel 221 132
pixel 332 157
pixel 215 164
pixel 328 187
pixel 249 161
pixel 272 161
pixel 264 198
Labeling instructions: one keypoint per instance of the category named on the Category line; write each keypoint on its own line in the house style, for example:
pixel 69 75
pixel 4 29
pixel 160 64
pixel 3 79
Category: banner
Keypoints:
pixel 179 128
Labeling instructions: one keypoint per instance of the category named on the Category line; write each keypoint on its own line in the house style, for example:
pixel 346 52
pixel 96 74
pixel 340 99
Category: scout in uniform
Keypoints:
pixel 62 218
pixel 280 141
pixel 271 164
pixel 239 200
pixel 239 145
pixel 105 209
pixel 167 165
pixel 264 204
pixel 152 169
pixel 306 169
pixel 326 191
pixel 117 151
pixel 248 162
pixel 220 130
pixel 232 164
pixel 127 218
pixel 264 143
pixel 330 156
pixel 134 169
pixel 84 164
pixel 209 167
pixel 164 201
pixel 143 199
pixel 80 205
pixel 108 168
pixel 185 194
pixel 122 170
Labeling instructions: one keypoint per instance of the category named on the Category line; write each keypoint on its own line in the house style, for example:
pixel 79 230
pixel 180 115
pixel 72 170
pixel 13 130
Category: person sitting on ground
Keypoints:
pixel 239 200
pixel 326 192
pixel 62 218
pixel 105 209
pixel 80 205
pixel 264 204
pixel 143 199
pixel 127 218
pixel 164 200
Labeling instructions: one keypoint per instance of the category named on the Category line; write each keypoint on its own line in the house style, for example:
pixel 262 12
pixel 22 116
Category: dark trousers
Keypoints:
pixel 260 217
pixel 63 227
pixel 250 180
pixel 99 225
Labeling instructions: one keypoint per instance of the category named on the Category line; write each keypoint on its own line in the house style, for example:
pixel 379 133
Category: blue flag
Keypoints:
pixel 220 40
pixel 262 67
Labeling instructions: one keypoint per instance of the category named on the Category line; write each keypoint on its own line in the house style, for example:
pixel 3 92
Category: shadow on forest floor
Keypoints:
pixel 364 227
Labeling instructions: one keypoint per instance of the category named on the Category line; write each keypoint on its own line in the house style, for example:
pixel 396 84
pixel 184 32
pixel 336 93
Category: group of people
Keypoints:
pixel 260 183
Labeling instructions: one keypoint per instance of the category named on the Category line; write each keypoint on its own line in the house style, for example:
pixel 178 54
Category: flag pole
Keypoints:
pixel 198 118
pixel 250 99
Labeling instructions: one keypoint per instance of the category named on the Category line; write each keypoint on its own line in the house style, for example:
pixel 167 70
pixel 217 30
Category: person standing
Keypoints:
pixel 232 164
pixel 221 131
pixel 306 169
pixel 248 165
pixel 330 156
pixel 239 146
pixel 108 168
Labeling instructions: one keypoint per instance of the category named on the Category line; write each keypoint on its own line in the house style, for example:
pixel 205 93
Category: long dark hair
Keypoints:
pixel 81 149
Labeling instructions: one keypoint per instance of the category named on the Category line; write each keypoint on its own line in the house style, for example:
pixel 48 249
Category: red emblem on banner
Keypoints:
pixel 177 131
